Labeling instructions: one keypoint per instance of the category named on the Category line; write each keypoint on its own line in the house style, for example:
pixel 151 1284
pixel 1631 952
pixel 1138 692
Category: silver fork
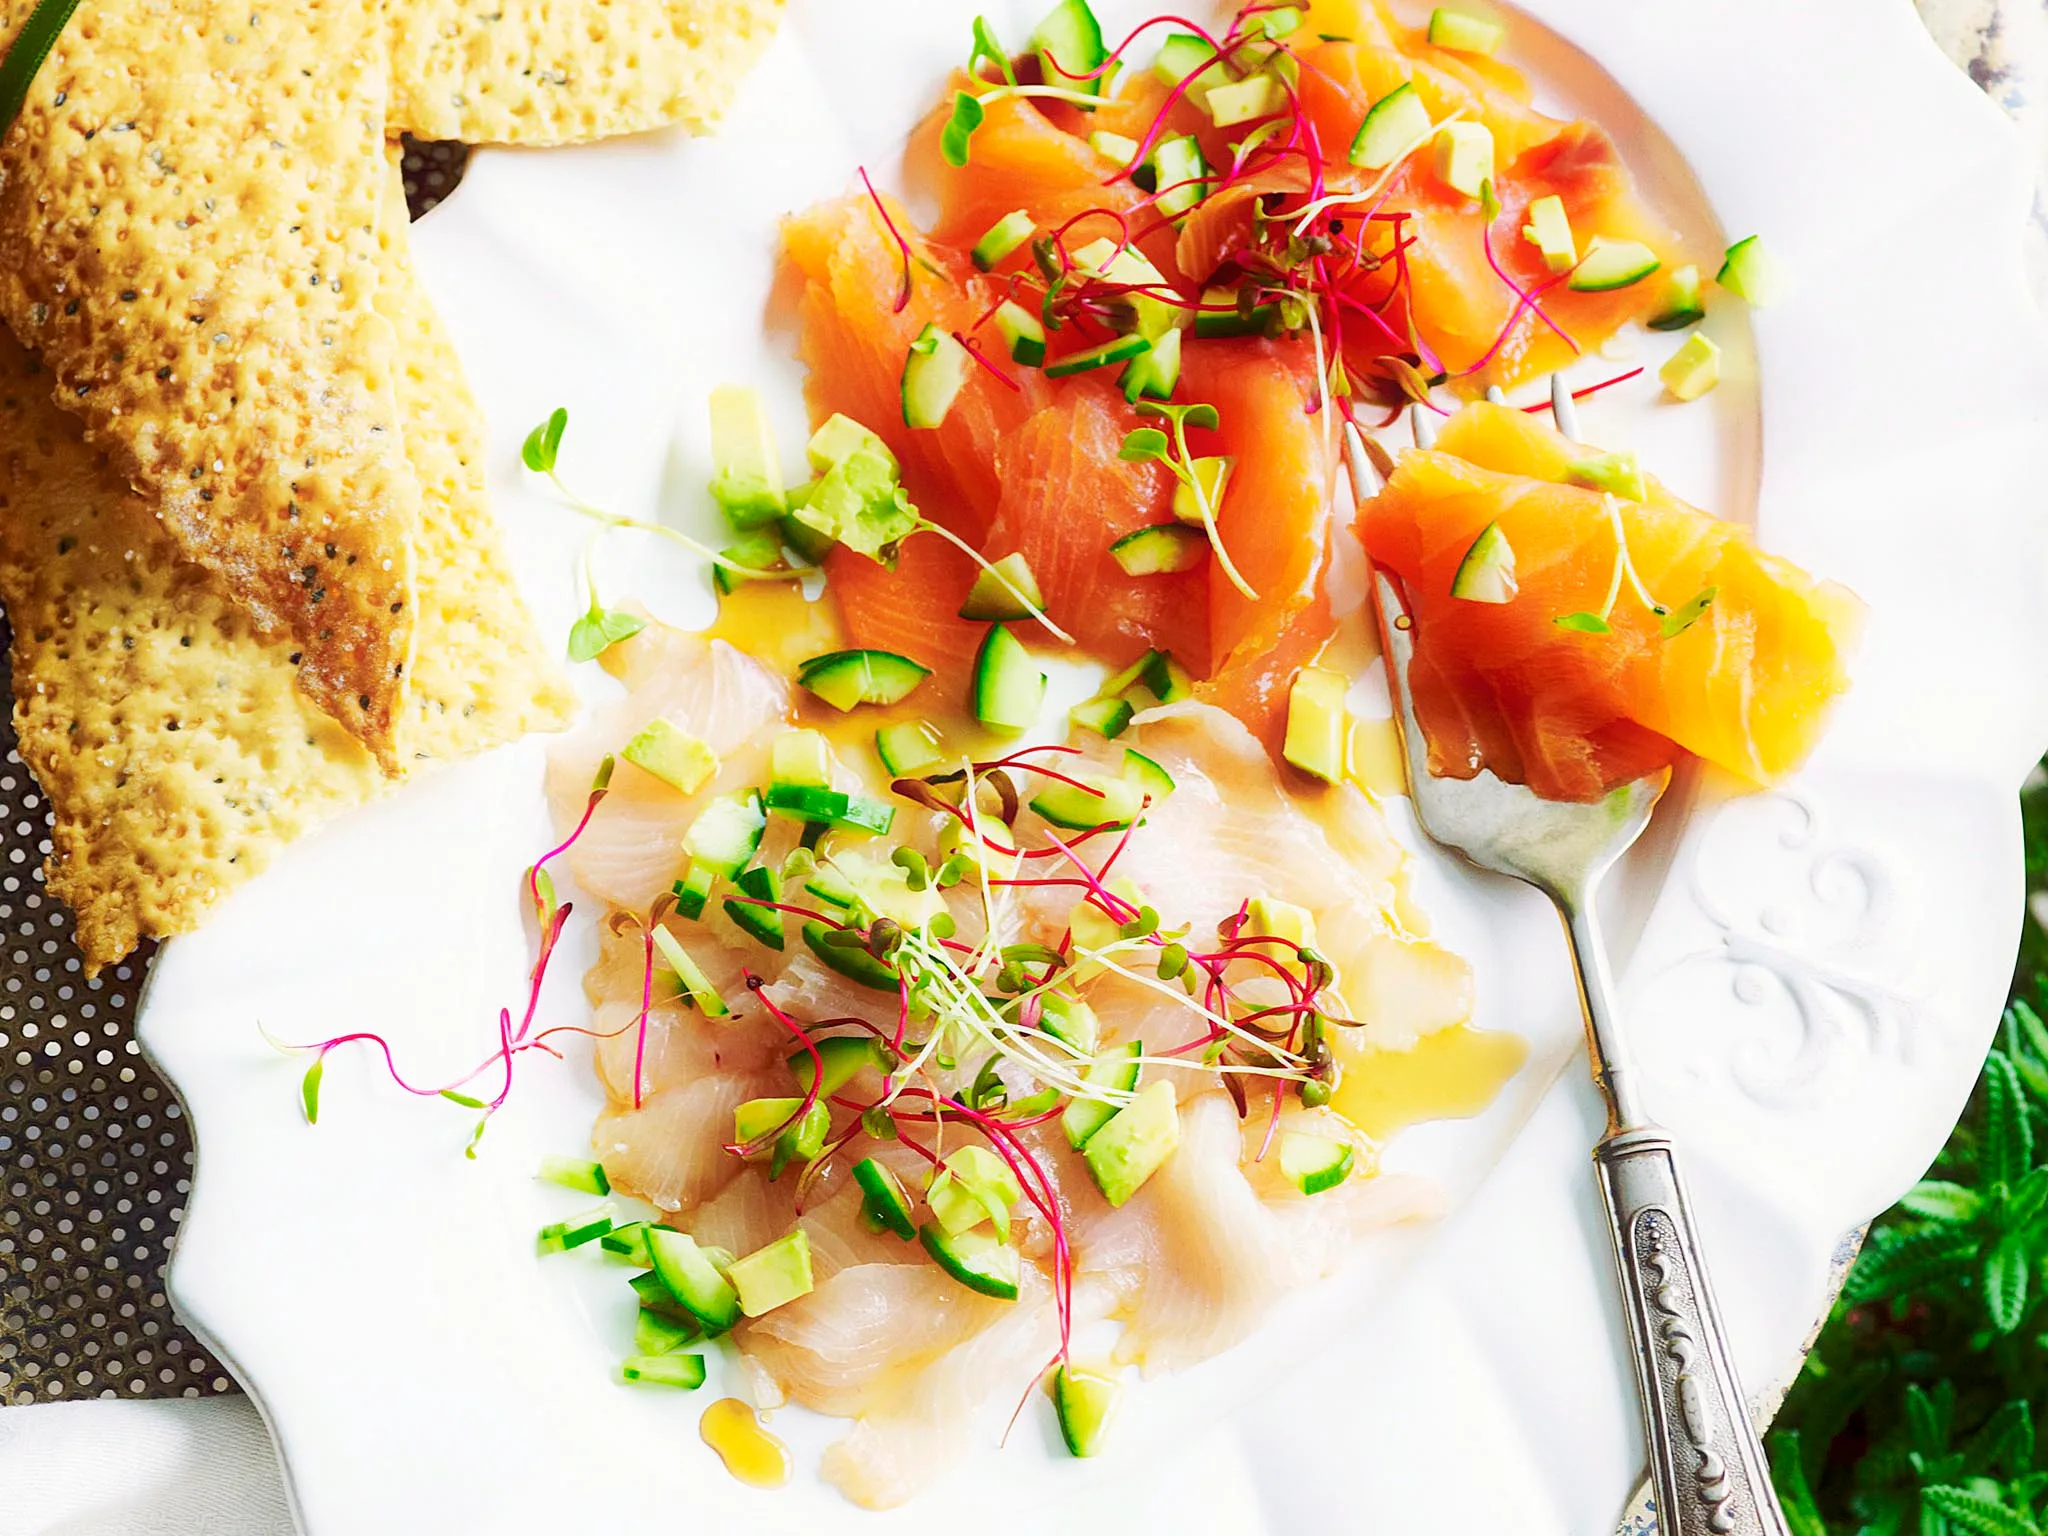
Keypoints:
pixel 1706 1467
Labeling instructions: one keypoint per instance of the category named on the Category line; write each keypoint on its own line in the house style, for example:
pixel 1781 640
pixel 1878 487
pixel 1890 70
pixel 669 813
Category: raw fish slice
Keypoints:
pixel 671 1150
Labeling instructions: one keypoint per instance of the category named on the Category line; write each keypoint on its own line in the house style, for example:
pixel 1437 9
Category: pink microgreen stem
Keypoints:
pixel 1590 389
pixel 903 245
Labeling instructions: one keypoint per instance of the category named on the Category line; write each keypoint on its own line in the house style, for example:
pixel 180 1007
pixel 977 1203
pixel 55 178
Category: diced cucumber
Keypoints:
pixel 575 1173
pixel 832 807
pixel 759 551
pixel 672 755
pixel 1152 782
pixel 1114 147
pixel 1281 21
pixel 1007 689
pixel 1070 1020
pixel 847 679
pixel 773 1276
pixel 1693 369
pixel 1118 349
pixel 909 747
pixel 1619 474
pixel 883 1199
pixel 845 1058
pixel 690 980
pixel 1108 801
pixel 799 758
pixel 1022 332
pixel 1550 230
pixel 1610 264
pixel 1395 124
pixel 1007 591
pixel 747 473
pixel 973 1185
pixel 1009 233
pixel 1166 678
pixel 1461 32
pixel 1069 47
pixel 1152 375
pixel 1086 1402
pixel 841 437
pixel 720 842
pixel 691 1279
pixel 1244 101
pixel 561 1236
pixel 1149 315
pixel 1214 319
pixel 1182 55
pixel 1487 573
pixel 1163 549
pixel 854 963
pixel 655 1298
pixel 802 1139
pixel 1313 1164
pixel 1180 173
pixel 1464 157
pixel 1682 304
pixel 654 1334
pixel 1135 1143
pixel 934 373
pixel 1106 717
pixel 1212 471
pixel 1318 724
pixel 1115 1069
pixel 683 1371
pixel 976 1259
pixel 763 923
pixel 628 1244
pixel 1751 273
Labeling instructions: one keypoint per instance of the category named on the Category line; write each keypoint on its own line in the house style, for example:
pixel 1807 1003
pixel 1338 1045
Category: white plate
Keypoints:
pixel 1814 972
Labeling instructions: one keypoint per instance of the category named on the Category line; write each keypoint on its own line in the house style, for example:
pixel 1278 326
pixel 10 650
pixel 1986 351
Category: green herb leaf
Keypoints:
pixel 309 1089
pixel 1584 624
pixel 1144 443
pixel 988 48
pixel 1973 1514
pixel 544 442
pixel 2005 1282
pixel 1196 413
pixel 1033 1104
pixel 2006 1440
pixel 461 1098
pixel 599 630
pixel 2008 1146
pixel 1489 200
pixel 1795 1494
pixel 1939 1200
pixel 967 116
pixel 25 56
pixel 1684 618
pixel 1907 1262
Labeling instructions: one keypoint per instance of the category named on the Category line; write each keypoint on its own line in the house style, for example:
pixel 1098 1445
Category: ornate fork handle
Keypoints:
pixel 1706 1466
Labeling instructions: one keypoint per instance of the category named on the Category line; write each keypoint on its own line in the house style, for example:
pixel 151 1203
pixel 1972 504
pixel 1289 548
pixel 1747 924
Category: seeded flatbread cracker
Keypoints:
pixel 177 753
pixel 568 71
pixel 188 239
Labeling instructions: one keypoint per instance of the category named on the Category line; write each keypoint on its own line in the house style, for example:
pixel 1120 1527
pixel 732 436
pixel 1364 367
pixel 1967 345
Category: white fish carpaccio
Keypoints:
pixel 1191 1264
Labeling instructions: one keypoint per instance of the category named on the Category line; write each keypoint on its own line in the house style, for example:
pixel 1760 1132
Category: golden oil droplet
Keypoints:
pixel 1450 1074
pixel 732 1428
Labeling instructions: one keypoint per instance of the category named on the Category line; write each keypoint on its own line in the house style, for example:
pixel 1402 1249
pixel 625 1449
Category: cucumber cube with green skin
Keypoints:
pixel 1487 573
pixel 1103 802
pixel 1213 473
pixel 1751 273
pixel 1693 369
pixel 1394 125
pixel 1007 689
pixel 1007 590
pixel 773 1276
pixel 759 556
pixel 1163 549
pixel 1313 1163
pixel 845 1057
pixel 1152 375
pixel 1108 718
pixel 1135 1144
pixel 1318 723
pixel 654 1334
pixel 655 1297
pixel 763 923
pixel 934 372
pixel 1115 1069
pixel 854 963
pixel 973 1185
pixel 1221 314
pixel 1184 54
pixel 561 1236
pixel 720 842
pixel 1118 349
pixel 848 679
pixel 1069 46
pixel 1682 305
pixel 687 1272
pixel 1069 1019
pixel 628 1244
pixel 672 755
pixel 747 478
pixel 1461 32
pixel 976 1259
pixel 1086 1401
pixel 691 981
pixel 1181 174
pixel 1611 264
pixel 1008 234
pixel 884 1201
pixel 575 1173
pixel 909 747
pixel 1023 333
pixel 682 1371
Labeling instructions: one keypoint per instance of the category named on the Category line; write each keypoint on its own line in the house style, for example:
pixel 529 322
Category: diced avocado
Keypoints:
pixel 1281 21
pixel 1464 156
pixel 1243 101
pixel 1152 375
pixel 800 757
pixel 934 372
pixel 1114 147
pixel 1009 233
pixel 773 1276
pixel 808 543
pixel 1109 718
pixel 846 679
pixel 909 747
pixel 654 1334
pixel 1313 1164
pixel 1007 689
pixel 840 437
pixel 1693 369
pixel 1118 349
pixel 1550 230
pixel 1069 1019
pixel 1163 549
pixel 1610 264
pixel 672 755
pixel 683 1371
pixel 1318 724
pixel 861 488
pixel 1487 573
pixel 1681 304
pixel 1086 1402
pixel 982 862
pixel 1619 474
pixel 763 923
pixel 976 1259
pixel 692 1280
pixel 801 1142
pixel 747 473
pixel 691 982
pixel 883 1199
pixel 1395 124
pixel 1022 332
pixel 1070 48
pixel 1461 32
pixel 1212 471
pixel 1273 918
pixel 1135 1144
pixel 972 1186
pixel 1180 174
pixel 854 963
pixel 1007 590
pixel 1115 1069
pixel 1751 273
pixel 845 1058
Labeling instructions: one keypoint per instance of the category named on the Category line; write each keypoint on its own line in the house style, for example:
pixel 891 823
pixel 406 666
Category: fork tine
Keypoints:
pixel 1420 423
pixel 1563 409
pixel 1365 478
pixel 1495 395
pixel 1397 644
